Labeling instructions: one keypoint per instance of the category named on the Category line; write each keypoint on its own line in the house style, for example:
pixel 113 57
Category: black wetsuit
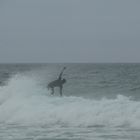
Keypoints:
pixel 57 83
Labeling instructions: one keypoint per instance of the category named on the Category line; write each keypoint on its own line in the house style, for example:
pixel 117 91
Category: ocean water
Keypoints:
pixel 100 102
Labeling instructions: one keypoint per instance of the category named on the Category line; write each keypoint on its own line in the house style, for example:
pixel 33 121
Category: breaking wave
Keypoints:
pixel 24 100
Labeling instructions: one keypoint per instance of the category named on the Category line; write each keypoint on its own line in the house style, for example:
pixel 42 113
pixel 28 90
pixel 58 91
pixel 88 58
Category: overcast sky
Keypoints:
pixel 69 31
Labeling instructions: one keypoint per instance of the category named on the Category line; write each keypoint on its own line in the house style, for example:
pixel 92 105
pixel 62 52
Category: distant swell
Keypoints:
pixel 25 101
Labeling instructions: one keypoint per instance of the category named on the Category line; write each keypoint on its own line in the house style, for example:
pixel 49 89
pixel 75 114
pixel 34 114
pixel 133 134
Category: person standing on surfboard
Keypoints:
pixel 57 83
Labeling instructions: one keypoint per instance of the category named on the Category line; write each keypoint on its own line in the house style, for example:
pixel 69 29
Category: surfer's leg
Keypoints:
pixel 61 91
pixel 52 91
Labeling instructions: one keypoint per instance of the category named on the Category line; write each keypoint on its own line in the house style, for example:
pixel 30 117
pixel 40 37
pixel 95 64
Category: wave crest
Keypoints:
pixel 24 100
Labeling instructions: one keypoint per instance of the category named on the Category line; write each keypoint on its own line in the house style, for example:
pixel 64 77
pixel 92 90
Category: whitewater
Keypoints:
pixel 28 111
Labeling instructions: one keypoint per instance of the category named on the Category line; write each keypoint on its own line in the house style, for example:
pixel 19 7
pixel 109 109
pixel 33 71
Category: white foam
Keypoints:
pixel 24 100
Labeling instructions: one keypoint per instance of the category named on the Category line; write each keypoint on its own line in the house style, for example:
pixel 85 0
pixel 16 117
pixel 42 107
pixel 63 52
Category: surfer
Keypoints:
pixel 57 83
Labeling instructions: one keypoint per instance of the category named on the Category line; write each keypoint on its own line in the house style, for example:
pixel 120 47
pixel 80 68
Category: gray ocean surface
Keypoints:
pixel 100 102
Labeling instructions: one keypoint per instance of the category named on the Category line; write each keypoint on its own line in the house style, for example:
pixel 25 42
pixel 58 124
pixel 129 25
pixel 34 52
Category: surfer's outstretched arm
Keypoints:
pixel 60 75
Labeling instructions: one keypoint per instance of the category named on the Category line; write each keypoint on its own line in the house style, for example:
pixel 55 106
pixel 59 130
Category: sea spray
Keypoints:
pixel 23 100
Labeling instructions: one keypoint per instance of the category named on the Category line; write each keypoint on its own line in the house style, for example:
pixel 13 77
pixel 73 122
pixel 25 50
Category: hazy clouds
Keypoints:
pixel 69 31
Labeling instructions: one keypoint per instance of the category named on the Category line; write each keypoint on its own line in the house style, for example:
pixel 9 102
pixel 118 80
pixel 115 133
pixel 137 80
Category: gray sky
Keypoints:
pixel 69 31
